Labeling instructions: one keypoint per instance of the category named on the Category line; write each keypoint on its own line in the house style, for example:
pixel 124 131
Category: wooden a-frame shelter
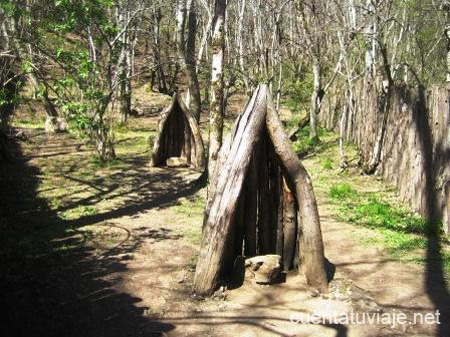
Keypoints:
pixel 260 201
pixel 178 136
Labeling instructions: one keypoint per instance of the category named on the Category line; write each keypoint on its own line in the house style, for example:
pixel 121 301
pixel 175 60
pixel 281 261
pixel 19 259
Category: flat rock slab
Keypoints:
pixel 177 162
pixel 265 268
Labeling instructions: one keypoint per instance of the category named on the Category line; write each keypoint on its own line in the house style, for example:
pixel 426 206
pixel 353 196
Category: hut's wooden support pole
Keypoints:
pixel 199 159
pixel 289 227
pixel 264 206
pixel 251 208
pixel 311 251
pixel 225 197
pixel 160 140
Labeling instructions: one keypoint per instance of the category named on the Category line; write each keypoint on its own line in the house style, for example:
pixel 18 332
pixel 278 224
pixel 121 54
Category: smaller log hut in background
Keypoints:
pixel 260 201
pixel 178 136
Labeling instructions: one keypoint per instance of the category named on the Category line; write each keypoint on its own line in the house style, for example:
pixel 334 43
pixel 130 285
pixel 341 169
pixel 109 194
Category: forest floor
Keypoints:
pixel 94 250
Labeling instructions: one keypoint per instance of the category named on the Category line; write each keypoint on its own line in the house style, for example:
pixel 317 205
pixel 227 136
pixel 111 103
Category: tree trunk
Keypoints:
pixel 315 101
pixel 191 63
pixel 370 37
pixel 187 57
pixel 216 87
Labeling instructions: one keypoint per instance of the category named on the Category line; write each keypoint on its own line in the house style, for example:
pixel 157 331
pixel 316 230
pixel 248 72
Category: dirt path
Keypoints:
pixel 110 252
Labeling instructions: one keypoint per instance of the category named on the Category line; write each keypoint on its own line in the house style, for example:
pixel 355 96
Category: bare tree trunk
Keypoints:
pixel 446 7
pixel 216 109
pixel 23 52
pixel 370 37
pixel 315 100
pixel 206 33
pixel 342 131
pixel 162 83
pixel 187 55
pixel 123 21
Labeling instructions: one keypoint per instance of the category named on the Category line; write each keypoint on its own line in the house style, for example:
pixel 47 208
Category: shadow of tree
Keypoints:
pixel 52 284
pixel 435 281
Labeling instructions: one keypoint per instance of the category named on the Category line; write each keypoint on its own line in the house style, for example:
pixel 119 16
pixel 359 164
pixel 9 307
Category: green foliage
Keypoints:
pixel 327 163
pixel 343 192
pixel 397 229
pixel 299 91
pixel 304 145
pixel 100 163
pixel 80 82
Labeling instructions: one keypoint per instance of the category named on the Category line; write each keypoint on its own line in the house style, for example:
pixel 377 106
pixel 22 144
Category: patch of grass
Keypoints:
pixel 371 210
pixel 192 210
pixel 327 163
pixel 78 212
pixel 342 192
pixel 134 138
pixel 304 145
pixel 33 123
pixel 401 232
pixel 399 243
pixel 98 163
pixel 375 213
pixel 192 263
pixel 190 207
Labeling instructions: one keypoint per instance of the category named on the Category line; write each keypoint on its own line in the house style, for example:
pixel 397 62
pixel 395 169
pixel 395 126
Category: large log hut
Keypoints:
pixel 260 201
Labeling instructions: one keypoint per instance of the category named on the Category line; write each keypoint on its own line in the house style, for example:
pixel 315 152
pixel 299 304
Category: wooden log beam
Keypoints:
pixel 311 251
pixel 251 208
pixel 199 160
pixel 289 227
pixel 265 201
pixel 159 143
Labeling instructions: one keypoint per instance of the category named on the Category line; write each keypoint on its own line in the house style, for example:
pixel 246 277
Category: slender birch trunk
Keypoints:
pixel 216 109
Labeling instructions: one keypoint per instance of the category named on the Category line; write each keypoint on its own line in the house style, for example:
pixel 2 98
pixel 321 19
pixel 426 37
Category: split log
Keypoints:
pixel 251 208
pixel 289 226
pixel 265 202
pixel 178 136
pixel 224 200
pixel 311 251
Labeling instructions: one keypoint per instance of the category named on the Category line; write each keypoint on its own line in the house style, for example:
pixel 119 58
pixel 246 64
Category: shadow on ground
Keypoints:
pixel 54 285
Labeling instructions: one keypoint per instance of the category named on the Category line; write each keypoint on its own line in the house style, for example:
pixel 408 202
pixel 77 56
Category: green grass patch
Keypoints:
pixel 342 192
pixel 304 145
pixel 327 163
pixel 375 213
pixel 190 207
pixel 78 212
pixel 34 123
pixel 401 232
pixel 192 210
